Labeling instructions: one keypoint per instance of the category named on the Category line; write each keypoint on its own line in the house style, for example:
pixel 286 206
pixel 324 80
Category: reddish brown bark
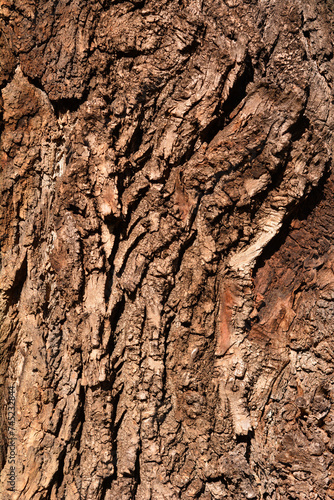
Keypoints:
pixel 166 227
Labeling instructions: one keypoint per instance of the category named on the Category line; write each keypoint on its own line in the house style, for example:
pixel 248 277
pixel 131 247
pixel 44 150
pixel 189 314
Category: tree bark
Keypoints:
pixel 167 246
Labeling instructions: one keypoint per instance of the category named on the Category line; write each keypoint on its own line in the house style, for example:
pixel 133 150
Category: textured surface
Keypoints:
pixel 166 226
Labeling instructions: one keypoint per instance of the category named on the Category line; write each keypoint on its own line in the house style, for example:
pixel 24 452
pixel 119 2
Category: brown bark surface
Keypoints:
pixel 167 249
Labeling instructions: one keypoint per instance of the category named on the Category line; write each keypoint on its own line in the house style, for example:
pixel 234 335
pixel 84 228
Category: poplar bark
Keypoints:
pixel 167 249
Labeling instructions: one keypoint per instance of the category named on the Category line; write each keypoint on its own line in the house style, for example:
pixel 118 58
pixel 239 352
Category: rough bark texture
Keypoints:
pixel 167 278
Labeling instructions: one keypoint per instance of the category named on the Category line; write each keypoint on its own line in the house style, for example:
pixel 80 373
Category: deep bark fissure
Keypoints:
pixel 299 212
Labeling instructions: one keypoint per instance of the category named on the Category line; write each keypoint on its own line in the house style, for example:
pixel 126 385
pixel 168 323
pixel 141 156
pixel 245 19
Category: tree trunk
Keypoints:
pixel 167 239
